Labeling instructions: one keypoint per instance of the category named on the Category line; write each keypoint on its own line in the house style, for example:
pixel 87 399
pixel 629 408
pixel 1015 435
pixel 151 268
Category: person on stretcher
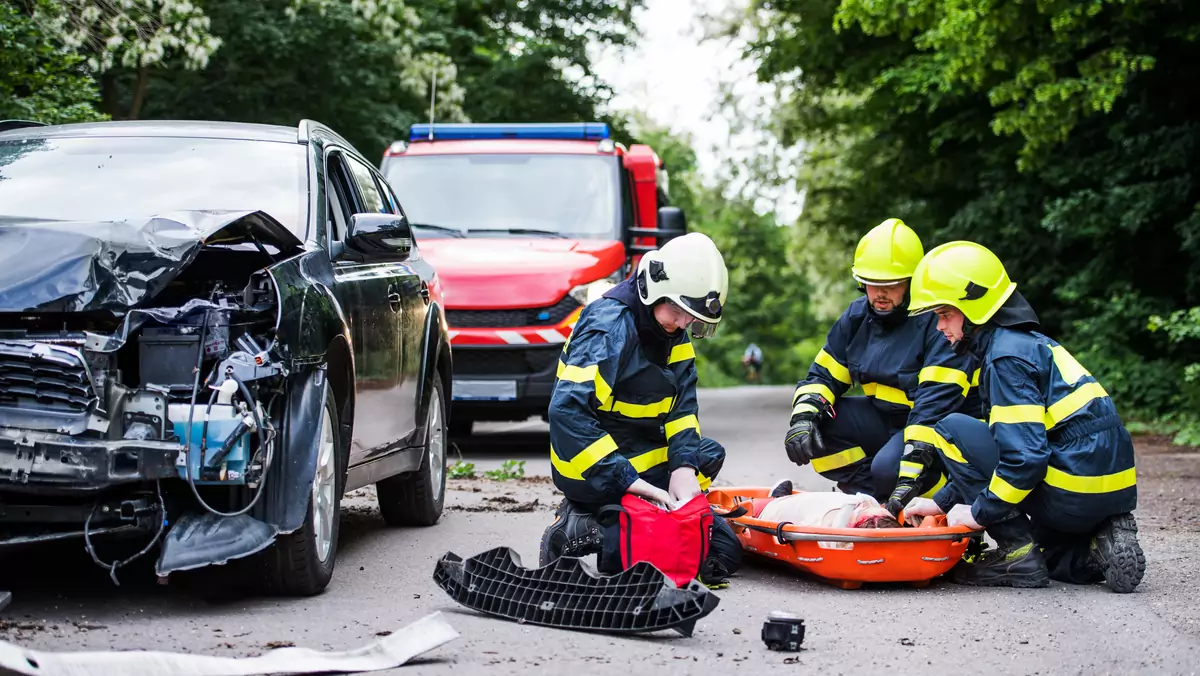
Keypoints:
pixel 822 509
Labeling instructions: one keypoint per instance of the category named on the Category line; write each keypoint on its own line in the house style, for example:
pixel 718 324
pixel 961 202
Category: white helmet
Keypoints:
pixel 690 273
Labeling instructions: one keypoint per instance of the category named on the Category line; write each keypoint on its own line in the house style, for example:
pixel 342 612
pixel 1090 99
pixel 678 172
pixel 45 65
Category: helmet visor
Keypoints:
pixel 699 328
pixel 879 282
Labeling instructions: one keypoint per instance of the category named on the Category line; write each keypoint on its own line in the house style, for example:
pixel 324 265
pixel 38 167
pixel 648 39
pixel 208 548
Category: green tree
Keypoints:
pixel 39 80
pixel 1054 132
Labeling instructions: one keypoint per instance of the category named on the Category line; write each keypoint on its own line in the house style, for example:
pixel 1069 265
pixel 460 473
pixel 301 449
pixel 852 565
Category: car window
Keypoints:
pixel 389 194
pixel 372 199
pixel 341 196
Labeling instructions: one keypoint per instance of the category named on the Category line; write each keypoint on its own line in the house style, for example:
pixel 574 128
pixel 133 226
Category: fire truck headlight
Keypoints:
pixel 586 293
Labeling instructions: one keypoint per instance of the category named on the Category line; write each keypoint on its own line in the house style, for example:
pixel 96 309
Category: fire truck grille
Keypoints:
pixel 504 319
pixel 43 377
pixel 505 362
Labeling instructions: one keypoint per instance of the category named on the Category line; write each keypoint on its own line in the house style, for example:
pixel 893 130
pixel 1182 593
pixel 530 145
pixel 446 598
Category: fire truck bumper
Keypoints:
pixel 502 382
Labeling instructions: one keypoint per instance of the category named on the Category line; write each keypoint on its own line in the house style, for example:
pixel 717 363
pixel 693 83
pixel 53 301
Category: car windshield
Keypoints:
pixel 114 178
pixel 574 196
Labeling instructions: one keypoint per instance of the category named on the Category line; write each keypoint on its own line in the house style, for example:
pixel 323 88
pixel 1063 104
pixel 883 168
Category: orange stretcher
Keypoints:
pixel 846 557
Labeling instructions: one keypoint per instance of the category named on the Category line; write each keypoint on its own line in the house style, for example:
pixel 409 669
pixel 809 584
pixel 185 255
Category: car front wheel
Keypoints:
pixel 301 563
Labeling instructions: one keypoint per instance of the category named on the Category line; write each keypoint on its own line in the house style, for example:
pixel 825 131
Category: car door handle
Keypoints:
pixel 393 298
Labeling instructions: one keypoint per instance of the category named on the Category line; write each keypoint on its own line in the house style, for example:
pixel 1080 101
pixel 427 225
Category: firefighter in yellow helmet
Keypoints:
pixel 910 376
pixel 1051 474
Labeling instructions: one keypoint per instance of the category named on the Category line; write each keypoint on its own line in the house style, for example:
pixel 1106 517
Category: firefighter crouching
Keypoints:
pixel 910 375
pixel 623 410
pixel 1051 474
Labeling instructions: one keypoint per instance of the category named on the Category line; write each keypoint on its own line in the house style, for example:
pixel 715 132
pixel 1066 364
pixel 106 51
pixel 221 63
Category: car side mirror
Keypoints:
pixel 379 237
pixel 671 224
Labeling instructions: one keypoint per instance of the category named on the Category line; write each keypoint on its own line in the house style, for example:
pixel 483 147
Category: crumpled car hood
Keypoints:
pixel 84 266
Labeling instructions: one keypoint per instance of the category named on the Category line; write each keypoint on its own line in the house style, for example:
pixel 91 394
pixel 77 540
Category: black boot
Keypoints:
pixel 1116 554
pixel 1016 562
pixel 573 533
pixel 920 469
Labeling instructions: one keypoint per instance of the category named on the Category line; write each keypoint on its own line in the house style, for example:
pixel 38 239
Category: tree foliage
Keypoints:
pixel 1056 132
pixel 39 80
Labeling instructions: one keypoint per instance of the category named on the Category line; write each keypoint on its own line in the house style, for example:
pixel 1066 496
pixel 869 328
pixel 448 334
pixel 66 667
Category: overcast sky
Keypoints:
pixel 674 76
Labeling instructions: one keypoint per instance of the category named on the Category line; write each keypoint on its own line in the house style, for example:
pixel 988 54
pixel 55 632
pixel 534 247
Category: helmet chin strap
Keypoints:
pixel 964 343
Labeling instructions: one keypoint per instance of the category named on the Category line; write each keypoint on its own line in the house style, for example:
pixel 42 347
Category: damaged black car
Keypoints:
pixel 209 333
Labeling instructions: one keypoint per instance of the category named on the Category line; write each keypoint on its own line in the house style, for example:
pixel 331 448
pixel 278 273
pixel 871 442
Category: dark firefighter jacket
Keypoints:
pixel 624 402
pixel 904 364
pixel 1054 424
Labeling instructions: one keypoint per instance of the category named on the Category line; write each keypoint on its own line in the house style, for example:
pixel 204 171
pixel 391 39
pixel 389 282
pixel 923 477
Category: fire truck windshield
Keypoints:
pixel 503 195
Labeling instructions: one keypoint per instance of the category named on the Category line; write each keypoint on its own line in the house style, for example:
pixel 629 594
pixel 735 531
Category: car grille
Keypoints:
pixel 44 377
pixel 505 361
pixel 503 319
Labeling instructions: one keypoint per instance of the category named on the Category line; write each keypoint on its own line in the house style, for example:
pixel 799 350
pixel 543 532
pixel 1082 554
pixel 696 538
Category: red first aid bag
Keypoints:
pixel 675 542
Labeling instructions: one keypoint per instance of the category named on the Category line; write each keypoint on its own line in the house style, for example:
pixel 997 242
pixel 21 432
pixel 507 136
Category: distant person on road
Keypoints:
pixel 1051 474
pixel 752 359
pixel 911 378
pixel 623 409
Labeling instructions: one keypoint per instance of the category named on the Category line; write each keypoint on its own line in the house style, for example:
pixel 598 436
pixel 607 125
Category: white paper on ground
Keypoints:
pixel 389 652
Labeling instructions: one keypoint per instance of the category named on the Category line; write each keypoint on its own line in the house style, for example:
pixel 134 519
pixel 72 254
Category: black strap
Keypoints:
pixel 779 532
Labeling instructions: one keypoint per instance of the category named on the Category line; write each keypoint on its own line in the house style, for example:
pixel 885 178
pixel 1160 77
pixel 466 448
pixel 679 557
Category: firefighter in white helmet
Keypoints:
pixel 623 413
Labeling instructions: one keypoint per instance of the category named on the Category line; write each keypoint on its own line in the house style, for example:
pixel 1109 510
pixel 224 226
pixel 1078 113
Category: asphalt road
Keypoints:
pixel 384 581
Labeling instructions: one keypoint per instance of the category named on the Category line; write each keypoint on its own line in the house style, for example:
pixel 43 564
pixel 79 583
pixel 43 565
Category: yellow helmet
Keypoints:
pixel 964 275
pixel 887 254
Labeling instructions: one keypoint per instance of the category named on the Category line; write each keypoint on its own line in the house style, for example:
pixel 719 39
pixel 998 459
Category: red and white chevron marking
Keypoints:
pixel 516 336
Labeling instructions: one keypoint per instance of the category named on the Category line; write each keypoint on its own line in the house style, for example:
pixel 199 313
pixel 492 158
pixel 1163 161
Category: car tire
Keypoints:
pixel 301 563
pixel 417 498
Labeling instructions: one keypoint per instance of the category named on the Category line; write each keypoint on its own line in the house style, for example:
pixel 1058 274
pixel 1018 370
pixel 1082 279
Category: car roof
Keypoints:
pixel 162 128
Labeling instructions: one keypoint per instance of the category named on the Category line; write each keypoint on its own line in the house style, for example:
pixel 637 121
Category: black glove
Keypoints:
pixel 909 486
pixel 803 439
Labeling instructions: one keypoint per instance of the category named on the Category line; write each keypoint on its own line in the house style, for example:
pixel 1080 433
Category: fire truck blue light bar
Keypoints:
pixel 585 131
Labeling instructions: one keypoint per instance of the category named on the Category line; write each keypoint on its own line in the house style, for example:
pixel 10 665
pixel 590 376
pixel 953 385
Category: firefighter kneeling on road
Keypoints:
pixel 623 410
pixel 1050 475
pixel 880 444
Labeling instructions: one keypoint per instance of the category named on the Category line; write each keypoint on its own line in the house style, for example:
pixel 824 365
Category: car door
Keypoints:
pixel 402 286
pixel 373 318
pixel 415 292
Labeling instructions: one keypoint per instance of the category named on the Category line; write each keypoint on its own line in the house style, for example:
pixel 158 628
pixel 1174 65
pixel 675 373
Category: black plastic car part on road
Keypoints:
pixel 209 332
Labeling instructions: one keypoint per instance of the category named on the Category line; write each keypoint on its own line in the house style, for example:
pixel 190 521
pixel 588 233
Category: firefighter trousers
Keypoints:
pixel 1065 541
pixel 862 448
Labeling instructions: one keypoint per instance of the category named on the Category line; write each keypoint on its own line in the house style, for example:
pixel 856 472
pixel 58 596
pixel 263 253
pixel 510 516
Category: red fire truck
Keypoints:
pixel 525 224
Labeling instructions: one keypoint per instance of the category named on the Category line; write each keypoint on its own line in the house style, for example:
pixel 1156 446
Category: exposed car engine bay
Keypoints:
pixel 118 420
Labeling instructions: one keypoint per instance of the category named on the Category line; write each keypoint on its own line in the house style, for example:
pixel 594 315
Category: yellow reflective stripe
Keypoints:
pixel 583 375
pixel 1017 414
pixel 705 482
pixel 975 378
pixel 945 374
pixel 921 433
pixel 1006 491
pixel 681 353
pixel 1105 483
pixel 910 469
pixel 948 449
pixel 835 369
pixel 804 408
pixel 687 422
pixel 594 453
pixel 817 388
pixel 651 458
pixel 639 410
pixel 1073 402
pixel 1072 371
pixel 937 487
pixel 887 393
pixel 839 460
